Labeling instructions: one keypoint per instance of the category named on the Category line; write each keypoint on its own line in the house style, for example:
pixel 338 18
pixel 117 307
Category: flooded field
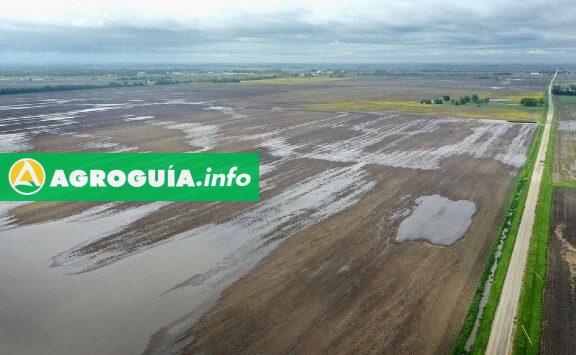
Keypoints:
pixel 372 230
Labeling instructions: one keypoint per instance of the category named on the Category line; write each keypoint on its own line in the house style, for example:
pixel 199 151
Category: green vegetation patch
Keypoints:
pixel 532 101
pixel 529 317
pixel 568 100
pixel 462 100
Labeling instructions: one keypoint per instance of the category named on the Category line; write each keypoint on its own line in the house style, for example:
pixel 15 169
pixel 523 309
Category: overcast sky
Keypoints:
pixel 273 31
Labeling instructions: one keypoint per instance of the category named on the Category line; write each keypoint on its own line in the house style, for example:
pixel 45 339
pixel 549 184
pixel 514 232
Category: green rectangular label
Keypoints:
pixel 129 177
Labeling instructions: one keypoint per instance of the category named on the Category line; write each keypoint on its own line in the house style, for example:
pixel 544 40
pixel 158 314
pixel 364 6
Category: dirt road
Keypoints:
pixel 500 341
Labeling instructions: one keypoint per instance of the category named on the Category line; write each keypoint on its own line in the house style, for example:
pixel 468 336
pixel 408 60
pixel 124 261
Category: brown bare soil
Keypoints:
pixel 559 316
pixel 329 275
pixel 390 295
pixel 565 151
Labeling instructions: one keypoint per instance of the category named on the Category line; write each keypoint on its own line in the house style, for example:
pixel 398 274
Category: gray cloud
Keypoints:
pixel 416 31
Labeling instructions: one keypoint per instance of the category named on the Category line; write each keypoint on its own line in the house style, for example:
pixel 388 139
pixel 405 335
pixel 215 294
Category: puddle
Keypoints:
pixel 200 135
pixel 228 111
pixel 129 118
pixel 437 219
pixel 279 147
pixel 14 142
pixel 568 126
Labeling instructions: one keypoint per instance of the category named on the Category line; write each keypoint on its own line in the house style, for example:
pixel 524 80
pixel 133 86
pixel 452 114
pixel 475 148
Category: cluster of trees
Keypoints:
pixel 434 101
pixel 380 72
pixel 169 81
pixel 463 100
pixel 532 101
pixel 564 90
pixel 224 80
pixel 47 88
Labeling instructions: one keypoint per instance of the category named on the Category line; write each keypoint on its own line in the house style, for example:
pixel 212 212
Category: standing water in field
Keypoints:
pixel 438 220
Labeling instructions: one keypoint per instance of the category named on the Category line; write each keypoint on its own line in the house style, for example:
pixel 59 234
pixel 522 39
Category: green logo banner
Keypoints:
pixel 129 177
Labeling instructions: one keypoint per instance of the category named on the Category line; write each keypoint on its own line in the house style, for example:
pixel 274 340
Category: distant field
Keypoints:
pixel 291 81
pixel 398 95
pixel 565 153
pixel 34 82
pixel 487 111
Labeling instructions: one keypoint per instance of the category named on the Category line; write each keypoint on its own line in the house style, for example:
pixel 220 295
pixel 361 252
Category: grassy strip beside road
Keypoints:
pixel 509 226
pixel 529 317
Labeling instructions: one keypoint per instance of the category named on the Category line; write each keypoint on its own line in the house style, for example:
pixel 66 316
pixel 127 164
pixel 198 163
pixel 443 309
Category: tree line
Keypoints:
pixel 48 88
pixel 462 100
pixel 532 101
pixel 564 90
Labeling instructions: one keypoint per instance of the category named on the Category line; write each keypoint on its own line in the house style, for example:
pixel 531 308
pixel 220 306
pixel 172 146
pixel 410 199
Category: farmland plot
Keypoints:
pixel 371 233
pixel 559 316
